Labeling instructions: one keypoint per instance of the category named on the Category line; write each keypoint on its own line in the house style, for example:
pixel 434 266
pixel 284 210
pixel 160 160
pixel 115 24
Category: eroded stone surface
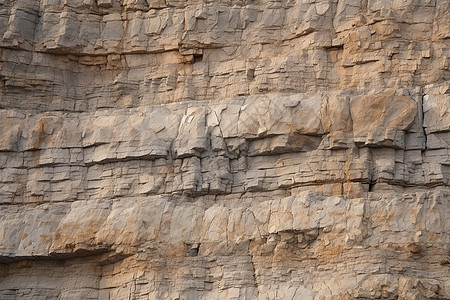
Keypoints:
pixel 224 150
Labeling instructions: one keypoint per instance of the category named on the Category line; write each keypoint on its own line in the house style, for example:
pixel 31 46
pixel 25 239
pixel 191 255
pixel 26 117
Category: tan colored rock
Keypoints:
pixel 436 109
pixel 224 150
pixel 376 118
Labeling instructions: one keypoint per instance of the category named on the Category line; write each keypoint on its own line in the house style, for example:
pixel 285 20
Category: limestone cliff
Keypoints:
pixel 233 149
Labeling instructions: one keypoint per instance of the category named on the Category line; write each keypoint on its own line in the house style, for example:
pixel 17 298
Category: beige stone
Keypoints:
pixel 224 150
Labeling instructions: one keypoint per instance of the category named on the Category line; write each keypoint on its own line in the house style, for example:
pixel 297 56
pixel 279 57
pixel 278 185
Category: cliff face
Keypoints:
pixel 195 149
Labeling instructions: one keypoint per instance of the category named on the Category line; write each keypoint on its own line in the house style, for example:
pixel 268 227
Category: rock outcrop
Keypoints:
pixel 224 149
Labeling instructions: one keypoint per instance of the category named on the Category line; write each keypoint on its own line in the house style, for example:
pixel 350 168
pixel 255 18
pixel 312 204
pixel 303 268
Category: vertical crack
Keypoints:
pixel 422 115
pixel 255 280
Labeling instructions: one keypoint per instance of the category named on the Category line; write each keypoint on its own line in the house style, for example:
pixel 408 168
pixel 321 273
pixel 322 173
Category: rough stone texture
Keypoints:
pixel 224 149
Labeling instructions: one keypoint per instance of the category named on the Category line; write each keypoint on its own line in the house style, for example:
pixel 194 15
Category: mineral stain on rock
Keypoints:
pixel 224 149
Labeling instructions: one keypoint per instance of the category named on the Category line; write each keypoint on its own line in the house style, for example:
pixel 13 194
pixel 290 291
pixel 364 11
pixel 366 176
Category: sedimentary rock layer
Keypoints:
pixel 224 149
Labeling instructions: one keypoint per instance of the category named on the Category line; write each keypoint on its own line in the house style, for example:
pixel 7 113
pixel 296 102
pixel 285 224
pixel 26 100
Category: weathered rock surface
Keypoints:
pixel 224 149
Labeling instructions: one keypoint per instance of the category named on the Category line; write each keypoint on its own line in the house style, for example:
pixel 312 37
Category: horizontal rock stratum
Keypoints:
pixel 266 149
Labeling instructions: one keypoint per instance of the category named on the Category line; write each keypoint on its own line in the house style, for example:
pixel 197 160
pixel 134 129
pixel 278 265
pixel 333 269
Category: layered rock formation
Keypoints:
pixel 224 149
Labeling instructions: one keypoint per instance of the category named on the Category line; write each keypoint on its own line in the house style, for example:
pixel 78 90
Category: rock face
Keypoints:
pixel 232 149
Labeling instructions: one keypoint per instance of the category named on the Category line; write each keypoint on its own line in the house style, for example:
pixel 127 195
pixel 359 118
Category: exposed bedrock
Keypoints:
pixel 224 149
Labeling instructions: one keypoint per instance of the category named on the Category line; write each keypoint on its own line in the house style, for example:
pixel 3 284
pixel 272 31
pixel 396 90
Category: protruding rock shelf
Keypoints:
pixel 166 149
